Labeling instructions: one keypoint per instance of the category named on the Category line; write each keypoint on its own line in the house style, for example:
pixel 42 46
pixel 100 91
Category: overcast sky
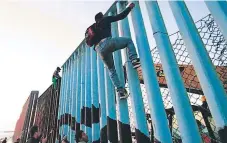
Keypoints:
pixel 37 36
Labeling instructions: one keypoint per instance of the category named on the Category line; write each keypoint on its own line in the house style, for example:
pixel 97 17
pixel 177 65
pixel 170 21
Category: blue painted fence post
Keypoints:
pixel 142 133
pixel 94 98
pixel 102 101
pixel 74 102
pixel 158 114
pixel 110 109
pixel 71 94
pixel 64 100
pixel 88 93
pixel 78 91
pixel 218 10
pixel 209 81
pixel 68 99
pixel 83 63
pixel 61 104
pixel 64 131
pixel 122 105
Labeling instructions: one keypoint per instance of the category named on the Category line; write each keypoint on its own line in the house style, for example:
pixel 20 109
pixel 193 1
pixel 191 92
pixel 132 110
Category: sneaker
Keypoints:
pixel 123 93
pixel 136 63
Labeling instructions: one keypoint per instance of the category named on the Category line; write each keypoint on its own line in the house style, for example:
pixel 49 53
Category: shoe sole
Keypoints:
pixel 124 97
pixel 136 66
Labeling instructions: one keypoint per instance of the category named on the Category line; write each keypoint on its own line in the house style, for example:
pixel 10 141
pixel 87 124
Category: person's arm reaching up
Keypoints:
pixel 122 15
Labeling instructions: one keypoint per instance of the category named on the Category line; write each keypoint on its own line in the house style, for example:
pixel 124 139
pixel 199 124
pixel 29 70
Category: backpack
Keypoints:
pixel 90 35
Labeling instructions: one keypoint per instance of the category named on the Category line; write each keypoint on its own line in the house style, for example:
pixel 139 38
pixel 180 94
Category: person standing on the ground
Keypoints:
pixel 81 137
pixel 99 36
pixel 56 76
pixel 35 136
pixel 5 140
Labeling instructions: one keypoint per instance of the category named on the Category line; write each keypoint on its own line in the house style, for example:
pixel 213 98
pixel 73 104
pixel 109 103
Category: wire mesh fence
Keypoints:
pixel 216 47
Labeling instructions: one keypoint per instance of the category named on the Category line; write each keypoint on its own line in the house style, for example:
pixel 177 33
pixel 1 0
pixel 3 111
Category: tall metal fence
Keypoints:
pixel 46 112
pixel 178 94
pixel 26 118
pixel 216 47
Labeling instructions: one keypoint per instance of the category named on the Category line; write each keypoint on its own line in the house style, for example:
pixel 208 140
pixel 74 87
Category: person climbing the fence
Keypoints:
pixel 81 137
pixel 56 76
pixel 99 36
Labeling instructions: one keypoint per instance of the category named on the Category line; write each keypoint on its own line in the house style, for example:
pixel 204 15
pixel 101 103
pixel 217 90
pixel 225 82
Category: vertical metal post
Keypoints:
pixel 102 101
pixel 110 109
pixel 210 83
pixel 83 63
pixel 73 100
pixel 64 100
pixel 218 10
pixel 67 103
pixel 154 95
pixel 94 99
pixel 70 95
pixel 61 102
pixel 88 93
pixel 142 133
pixel 123 122
pixel 78 91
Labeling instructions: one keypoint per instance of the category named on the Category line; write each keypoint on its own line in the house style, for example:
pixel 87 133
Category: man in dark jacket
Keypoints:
pixel 5 140
pixel 35 136
pixel 105 45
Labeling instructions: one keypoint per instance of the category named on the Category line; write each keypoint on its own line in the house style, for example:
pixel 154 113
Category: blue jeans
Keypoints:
pixel 105 50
